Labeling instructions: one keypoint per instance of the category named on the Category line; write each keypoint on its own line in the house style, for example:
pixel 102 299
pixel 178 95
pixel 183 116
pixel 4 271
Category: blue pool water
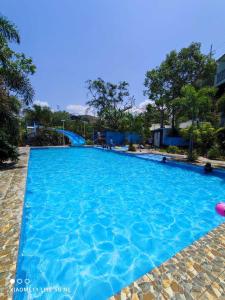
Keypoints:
pixel 94 221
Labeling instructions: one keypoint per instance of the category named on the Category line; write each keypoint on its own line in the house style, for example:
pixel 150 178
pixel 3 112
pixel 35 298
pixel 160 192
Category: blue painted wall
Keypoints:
pixel 167 140
pixel 174 141
pixel 120 138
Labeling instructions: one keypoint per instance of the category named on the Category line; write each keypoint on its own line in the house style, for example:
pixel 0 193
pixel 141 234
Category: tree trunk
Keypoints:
pixel 161 119
pixel 191 142
pixel 173 121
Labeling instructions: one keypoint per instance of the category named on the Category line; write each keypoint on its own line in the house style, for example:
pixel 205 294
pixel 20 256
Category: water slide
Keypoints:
pixel 75 139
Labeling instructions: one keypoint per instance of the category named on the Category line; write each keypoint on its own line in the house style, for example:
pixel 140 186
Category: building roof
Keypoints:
pixel 181 125
pixel 221 58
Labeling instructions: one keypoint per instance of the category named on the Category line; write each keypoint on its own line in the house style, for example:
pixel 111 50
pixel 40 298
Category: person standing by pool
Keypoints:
pixel 150 142
pixel 110 144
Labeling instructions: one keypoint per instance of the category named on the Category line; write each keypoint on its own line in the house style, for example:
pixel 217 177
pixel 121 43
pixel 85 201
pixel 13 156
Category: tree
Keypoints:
pixel 110 101
pixel 15 88
pixel 58 116
pixel 195 103
pixel 220 137
pixel 9 126
pixel 8 31
pixel 221 105
pixel 156 92
pixel 204 135
pixel 14 67
pixel 39 115
pixel 188 66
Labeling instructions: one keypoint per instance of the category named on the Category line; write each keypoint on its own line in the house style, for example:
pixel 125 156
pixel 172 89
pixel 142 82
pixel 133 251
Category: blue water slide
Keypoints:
pixel 75 139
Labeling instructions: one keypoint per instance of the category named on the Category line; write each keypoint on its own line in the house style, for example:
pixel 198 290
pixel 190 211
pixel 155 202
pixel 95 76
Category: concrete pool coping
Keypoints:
pixel 197 272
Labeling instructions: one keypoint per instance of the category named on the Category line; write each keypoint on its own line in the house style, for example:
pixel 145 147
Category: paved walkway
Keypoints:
pixel 12 186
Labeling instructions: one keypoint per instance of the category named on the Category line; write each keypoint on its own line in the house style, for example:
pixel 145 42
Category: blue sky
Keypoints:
pixel 71 41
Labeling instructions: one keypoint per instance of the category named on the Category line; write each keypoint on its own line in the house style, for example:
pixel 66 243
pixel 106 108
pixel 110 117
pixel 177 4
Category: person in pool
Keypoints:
pixel 208 168
pixel 164 159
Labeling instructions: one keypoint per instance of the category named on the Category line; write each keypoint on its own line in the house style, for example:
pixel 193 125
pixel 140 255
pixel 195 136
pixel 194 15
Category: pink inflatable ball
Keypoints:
pixel 220 209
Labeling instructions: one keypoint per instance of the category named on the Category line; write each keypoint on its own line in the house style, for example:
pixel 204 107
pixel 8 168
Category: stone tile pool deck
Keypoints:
pixel 197 272
pixel 12 189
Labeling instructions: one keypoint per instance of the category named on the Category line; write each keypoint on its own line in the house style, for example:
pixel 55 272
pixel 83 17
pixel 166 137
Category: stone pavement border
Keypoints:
pixel 12 189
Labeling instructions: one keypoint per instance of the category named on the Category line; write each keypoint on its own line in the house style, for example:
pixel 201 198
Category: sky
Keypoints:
pixel 71 41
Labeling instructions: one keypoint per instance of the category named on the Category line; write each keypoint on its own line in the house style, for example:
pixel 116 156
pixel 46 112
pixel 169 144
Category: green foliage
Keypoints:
pixel 58 116
pixel 131 147
pixel 203 136
pixel 221 104
pixel 173 149
pixel 214 152
pixel 8 31
pixel 39 115
pixel 151 115
pixel 22 132
pixel 220 138
pixel 9 126
pixel 45 117
pixel 46 138
pixel 89 142
pixel 7 150
pixel 192 156
pixel 196 103
pixel 15 69
pixel 187 67
pixel 110 102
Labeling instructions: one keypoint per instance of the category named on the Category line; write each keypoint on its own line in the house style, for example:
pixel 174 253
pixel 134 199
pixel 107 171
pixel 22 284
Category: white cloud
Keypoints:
pixel 41 103
pixel 78 109
pixel 144 103
pixel 141 107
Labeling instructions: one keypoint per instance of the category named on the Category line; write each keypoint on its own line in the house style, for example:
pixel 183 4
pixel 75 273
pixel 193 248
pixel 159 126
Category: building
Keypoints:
pixel 220 75
pixel 220 82
pixel 163 137
pixel 117 138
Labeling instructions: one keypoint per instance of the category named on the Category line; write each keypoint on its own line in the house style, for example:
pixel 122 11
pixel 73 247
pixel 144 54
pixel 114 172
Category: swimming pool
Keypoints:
pixel 94 221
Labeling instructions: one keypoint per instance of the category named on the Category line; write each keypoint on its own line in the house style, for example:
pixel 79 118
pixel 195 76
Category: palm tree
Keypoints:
pixel 8 31
pixel 14 67
pixel 15 88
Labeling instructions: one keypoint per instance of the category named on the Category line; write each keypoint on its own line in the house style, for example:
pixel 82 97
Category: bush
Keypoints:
pixel 131 148
pixel 220 137
pixel 46 138
pixel 192 156
pixel 173 149
pixel 89 142
pixel 203 136
pixel 7 150
pixel 214 153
